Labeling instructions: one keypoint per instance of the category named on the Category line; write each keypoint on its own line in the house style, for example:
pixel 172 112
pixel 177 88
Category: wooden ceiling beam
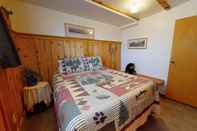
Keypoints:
pixel 164 4
pixel 114 10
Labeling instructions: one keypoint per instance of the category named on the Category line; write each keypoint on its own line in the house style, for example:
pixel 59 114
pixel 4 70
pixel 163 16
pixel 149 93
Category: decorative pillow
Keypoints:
pixel 85 61
pixel 71 65
pixel 95 63
pixel 80 64
pixel 62 66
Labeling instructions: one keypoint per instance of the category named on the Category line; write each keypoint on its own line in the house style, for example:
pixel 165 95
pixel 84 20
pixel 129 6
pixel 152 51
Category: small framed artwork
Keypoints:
pixel 72 30
pixel 140 43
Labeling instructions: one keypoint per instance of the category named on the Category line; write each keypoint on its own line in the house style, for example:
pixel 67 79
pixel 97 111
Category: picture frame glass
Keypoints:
pixel 140 43
pixel 79 31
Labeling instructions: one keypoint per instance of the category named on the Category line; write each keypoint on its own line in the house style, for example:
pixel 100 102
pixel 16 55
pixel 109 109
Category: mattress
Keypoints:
pixel 101 100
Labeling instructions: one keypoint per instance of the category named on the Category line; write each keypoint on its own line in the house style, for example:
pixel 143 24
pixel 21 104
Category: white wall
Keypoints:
pixel 30 18
pixel 159 29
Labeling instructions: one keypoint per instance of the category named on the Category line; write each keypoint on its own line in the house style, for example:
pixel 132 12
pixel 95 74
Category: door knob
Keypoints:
pixel 172 62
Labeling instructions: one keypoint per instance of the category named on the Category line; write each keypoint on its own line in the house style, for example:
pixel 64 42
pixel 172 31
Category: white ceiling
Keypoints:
pixel 146 7
pixel 90 11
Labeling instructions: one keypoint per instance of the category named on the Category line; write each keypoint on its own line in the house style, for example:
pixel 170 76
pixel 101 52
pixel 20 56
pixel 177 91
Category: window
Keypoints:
pixel 79 31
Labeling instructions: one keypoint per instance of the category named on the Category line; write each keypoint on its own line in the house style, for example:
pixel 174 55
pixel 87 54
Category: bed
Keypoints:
pixel 101 99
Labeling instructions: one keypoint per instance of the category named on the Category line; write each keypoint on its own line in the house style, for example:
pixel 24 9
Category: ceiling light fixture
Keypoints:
pixel 91 32
pixel 134 6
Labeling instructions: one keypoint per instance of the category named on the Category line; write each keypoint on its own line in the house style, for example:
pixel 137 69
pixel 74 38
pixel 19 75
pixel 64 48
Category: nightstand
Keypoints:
pixel 35 95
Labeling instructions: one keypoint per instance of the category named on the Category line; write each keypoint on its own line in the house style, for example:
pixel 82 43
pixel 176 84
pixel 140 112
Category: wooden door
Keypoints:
pixel 115 55
pixel 182 81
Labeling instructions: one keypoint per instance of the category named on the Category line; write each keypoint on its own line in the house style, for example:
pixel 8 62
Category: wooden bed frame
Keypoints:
pixel 154 109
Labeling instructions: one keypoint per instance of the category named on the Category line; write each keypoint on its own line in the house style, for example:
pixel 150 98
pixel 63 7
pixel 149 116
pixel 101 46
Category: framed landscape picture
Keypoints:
pixel 140 43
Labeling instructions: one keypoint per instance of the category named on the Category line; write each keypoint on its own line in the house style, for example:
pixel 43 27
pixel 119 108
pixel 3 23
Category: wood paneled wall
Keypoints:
pixel 40 53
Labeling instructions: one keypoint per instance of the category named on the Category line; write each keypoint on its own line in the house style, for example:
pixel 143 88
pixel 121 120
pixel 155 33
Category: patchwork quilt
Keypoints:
pixel 103 100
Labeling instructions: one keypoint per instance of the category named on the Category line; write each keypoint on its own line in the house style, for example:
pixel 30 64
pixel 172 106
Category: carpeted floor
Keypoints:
pixel 173 117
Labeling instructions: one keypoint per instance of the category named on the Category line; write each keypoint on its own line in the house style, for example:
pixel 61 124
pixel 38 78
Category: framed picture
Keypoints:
pixel 72 30
pixel 140 43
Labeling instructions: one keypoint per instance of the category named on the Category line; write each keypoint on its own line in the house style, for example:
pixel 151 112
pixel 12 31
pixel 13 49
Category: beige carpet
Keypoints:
pixel 174 117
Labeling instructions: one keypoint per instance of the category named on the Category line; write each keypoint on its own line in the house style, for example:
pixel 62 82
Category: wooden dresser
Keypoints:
pixel 11 85
pixel 11 107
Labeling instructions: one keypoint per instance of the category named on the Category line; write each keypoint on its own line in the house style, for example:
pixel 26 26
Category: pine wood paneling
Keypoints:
pixel 117 56
pixel 27 52
pixel 58 51
pixel 40 53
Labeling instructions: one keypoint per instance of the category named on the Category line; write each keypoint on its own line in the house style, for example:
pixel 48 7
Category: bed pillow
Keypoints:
pixel 70 65
pixel 85 61
pixel 95 63
pixel 74 65
pixel 61 66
